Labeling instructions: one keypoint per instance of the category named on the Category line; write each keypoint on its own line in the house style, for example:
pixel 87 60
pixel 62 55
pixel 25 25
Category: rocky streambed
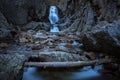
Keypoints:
pixel 89 31
pixel 43 46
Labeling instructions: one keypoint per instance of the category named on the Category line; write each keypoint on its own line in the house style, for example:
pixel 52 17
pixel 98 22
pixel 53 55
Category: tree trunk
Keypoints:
pixel 67 64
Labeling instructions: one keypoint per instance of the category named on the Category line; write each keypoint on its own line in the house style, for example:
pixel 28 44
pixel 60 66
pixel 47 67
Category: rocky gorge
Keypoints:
pixel 89 30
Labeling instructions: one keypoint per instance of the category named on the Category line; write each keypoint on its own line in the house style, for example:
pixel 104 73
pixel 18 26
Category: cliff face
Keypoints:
pixel 96 21
pixel 76 16
pixel 22 11
pixel 88 11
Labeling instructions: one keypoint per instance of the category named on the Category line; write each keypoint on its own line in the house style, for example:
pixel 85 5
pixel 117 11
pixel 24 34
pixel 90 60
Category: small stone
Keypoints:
pixel 4 45
pixel 90 55
pixel 36 47
pixel 24 37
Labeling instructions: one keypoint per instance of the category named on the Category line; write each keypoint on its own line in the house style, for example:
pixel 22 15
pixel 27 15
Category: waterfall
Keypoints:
pixel 53 17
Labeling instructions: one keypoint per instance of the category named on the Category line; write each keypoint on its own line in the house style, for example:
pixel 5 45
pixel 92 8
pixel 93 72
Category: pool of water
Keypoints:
pixel 86 73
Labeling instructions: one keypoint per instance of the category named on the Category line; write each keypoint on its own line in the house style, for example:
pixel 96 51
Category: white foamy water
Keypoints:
pixel 53 17
pixel 54 29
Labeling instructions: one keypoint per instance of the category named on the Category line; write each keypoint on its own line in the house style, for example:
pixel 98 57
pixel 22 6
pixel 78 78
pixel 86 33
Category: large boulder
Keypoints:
pixel 15 11
pixel 5 28
pixel 105 37
pixel 21 11
pixel 11 66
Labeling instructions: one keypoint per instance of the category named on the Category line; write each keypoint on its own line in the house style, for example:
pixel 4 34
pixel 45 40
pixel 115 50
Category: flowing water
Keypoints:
pixel 53 17
pixel 86 73
pixel 54 29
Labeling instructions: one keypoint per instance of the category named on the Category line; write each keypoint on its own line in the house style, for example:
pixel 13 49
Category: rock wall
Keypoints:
pixel 88 11
pixel 22 11
pixel 76 16
pixel 91 12
pixel 105 37
pixel 15 11
pixel 5 28
pixel 97 21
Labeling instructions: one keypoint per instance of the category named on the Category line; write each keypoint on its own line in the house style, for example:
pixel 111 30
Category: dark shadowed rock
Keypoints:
pixel 15 11
pixel 5 28
pixel 37 26
pixel 41 9
pixel 105 38
pixel 21 11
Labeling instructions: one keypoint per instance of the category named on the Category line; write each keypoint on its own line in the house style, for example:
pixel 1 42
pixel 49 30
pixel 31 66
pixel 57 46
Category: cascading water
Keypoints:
pixel 53 17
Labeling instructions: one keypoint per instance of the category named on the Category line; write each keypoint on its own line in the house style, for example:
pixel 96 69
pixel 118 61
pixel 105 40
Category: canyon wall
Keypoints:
pixel 86 18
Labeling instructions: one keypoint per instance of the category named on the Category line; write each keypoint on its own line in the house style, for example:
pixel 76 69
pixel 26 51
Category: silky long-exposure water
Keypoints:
pixel 53 17
pixel 86 73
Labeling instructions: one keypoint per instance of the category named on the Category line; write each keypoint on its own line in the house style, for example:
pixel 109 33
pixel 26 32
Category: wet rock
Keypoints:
pixel 11 67
pixel 40 35
pixel 104 39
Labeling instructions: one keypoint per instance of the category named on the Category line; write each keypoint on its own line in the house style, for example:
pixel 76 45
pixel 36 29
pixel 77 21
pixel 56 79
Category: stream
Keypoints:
pixel 62 39
pixel 86 73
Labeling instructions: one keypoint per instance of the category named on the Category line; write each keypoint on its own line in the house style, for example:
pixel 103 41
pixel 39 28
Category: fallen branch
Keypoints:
pixel 67 64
